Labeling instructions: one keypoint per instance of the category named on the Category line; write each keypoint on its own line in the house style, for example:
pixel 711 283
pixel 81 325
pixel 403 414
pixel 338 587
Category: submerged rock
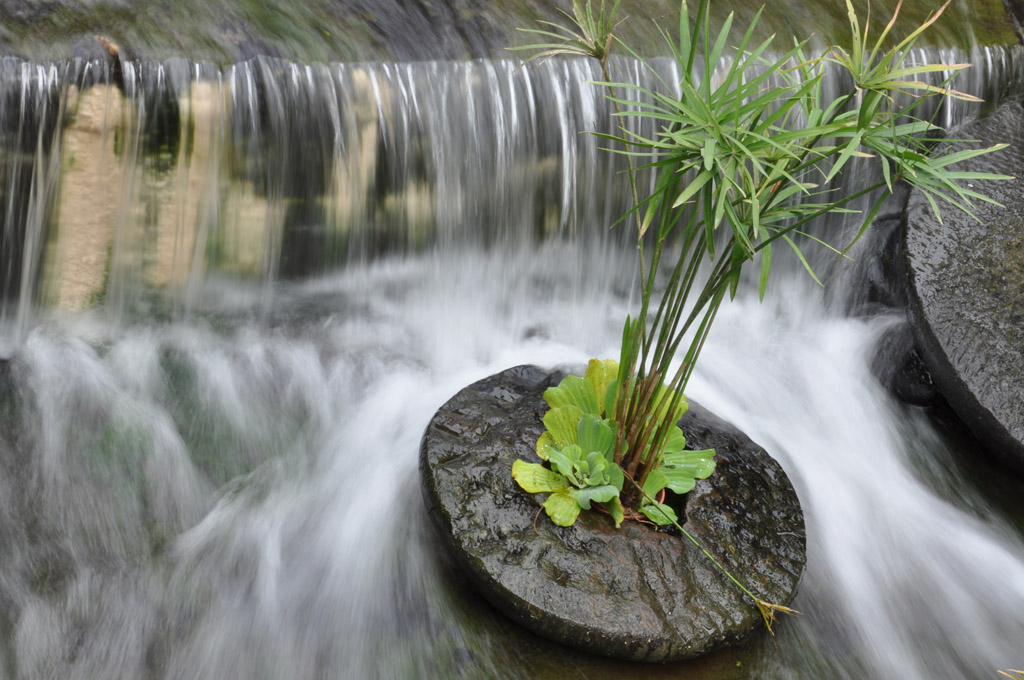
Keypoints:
pixel 966 291
pixel 633 593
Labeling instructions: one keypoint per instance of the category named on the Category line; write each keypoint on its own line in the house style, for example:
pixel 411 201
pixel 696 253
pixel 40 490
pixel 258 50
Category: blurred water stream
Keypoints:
pixel 234 297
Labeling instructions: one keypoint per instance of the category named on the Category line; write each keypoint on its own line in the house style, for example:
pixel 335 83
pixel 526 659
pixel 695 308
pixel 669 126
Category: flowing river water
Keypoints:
pixel 233 298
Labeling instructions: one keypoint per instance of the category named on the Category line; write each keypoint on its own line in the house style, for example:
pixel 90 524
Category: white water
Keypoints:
pixel 233 492
pixel 914 587
pixel 317 563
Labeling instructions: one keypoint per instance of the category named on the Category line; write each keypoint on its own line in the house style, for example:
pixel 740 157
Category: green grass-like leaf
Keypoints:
pixel 614 508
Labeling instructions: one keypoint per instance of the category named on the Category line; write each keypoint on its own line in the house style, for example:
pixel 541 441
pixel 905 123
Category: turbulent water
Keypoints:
pixel 234 298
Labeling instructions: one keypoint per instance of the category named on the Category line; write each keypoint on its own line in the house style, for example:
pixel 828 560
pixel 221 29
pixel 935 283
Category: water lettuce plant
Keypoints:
pixel 579 443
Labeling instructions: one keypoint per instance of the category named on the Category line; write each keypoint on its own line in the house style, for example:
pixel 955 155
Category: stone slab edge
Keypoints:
pixel 946 357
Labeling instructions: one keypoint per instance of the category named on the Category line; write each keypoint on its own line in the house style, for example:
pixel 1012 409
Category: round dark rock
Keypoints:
pixel 966 291
pixel 635 592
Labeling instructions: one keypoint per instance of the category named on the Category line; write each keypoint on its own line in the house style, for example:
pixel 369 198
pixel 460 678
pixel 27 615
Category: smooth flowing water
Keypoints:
pixel 234 298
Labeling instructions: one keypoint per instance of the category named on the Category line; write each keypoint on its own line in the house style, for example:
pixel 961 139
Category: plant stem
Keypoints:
pixel 765 608
pixel 606 74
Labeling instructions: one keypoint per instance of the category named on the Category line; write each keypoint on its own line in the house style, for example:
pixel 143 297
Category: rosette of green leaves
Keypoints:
pixel 583 470
pixel 579 445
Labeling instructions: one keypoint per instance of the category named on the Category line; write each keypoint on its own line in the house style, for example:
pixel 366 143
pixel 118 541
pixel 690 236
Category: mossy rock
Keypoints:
pixel 633 593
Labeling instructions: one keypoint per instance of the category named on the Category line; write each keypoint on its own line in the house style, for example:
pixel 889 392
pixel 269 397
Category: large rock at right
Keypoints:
pixel 966 290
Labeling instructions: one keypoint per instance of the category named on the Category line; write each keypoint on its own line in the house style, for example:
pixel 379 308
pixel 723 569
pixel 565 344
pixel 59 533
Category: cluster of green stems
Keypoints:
pixel 745 157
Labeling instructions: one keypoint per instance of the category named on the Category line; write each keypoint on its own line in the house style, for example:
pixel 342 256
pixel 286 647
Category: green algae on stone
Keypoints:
pixel 372 30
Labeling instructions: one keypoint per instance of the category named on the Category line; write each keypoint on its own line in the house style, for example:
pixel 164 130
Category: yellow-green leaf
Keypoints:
pixel 535 478
pixel 601 374
pixel 561 423
pixel 655 482
pixel 572 391
pixel 562 507
pixel 544 443
pixel 702 178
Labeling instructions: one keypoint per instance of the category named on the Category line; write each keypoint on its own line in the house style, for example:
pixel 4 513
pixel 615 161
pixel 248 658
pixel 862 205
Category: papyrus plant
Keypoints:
pixel 744 159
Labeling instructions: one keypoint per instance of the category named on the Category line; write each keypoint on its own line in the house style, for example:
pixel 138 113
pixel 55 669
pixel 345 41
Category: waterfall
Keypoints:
pixel 123 179
pixel 233 298
pixel 153 177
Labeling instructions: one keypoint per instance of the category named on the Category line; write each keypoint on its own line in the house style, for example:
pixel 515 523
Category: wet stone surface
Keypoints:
pixel 633 593
pixel 966 292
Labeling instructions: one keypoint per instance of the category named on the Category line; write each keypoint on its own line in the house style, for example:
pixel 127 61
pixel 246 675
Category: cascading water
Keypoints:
pixel 234 298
